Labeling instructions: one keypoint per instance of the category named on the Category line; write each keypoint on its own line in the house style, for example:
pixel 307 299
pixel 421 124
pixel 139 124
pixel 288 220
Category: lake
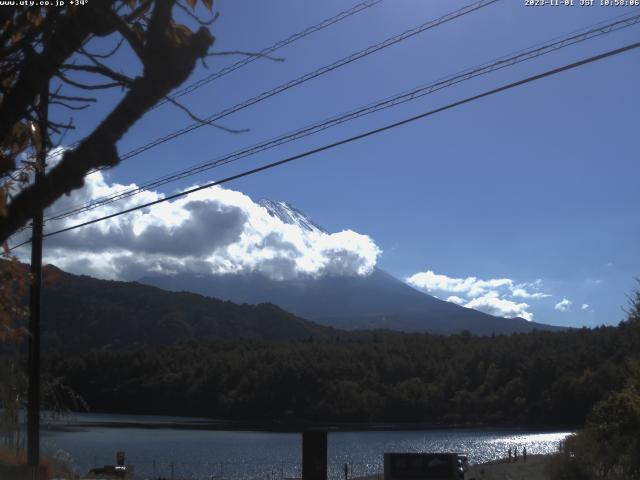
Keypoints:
pixel 201 454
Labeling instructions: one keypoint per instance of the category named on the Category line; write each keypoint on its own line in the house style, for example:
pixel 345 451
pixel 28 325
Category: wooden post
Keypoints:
pixel 314 455
pixel 33 391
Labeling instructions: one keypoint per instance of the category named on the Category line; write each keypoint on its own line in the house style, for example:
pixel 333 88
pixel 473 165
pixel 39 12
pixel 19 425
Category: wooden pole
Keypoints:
pixel 33 392
pixel 314 455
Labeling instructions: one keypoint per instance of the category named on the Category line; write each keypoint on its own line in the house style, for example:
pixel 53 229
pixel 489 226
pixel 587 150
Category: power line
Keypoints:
pixel 418 92
pixel 309 76
pixel 321 71
pixel 262 53
pixel 354 138
pixel 269 50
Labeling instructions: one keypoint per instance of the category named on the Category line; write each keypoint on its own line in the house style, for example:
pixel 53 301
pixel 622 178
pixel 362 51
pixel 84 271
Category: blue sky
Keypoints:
pixel 537 185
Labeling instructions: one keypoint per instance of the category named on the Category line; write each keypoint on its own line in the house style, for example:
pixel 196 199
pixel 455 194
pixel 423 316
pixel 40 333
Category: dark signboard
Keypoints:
pixel 423 466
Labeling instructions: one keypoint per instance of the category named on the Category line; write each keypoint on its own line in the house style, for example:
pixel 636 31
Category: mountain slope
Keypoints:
pixel 290 215
pixel 81 312
pixel 358 302
pixel 375 301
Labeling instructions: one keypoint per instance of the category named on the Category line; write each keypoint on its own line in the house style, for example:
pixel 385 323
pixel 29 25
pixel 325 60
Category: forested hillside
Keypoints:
pixel 81 313
pixel 540 378
pixel 375 301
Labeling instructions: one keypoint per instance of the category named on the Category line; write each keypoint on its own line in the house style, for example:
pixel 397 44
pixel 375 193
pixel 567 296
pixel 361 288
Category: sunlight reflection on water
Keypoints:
pixel 200 454
pixel 364 450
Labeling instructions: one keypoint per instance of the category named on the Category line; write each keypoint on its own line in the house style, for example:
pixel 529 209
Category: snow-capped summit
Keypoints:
pixel 290 215
pixel 354 302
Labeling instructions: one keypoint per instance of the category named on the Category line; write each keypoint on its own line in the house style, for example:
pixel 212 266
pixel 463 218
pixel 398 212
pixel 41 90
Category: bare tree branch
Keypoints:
pixel 20 24
pixel 61 139
pixel 129 35
pixel 247 54
pixel 100 70
pixel 70 32
pixel 94 59
pixel 84 86
pixel 166 65
pixel 201 120
pixel 72 99
pixel 193 16
pixel 143 7
pixel 109 54
pixel 70 107
pixel 62 125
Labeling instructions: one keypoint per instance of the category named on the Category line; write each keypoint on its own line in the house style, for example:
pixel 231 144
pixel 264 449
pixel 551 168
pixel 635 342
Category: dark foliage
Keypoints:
pixel 608 448
pixel 81 313
pixel 540 378
pixel 42 46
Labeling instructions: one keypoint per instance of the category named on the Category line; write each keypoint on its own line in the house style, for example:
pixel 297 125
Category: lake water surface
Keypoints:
pixel 201 454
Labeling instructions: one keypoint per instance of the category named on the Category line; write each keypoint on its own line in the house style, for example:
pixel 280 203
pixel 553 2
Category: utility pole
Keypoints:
pixel 33 393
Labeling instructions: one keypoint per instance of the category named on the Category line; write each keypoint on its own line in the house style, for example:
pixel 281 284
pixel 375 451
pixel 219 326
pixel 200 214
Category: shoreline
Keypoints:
pixel 275 426
pixel 535 468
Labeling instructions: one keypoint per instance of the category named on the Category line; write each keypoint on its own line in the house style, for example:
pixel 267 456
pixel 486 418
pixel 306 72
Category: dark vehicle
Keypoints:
pixel 424 466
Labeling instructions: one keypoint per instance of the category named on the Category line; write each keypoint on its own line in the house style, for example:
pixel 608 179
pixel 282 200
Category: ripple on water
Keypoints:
pixel 199 454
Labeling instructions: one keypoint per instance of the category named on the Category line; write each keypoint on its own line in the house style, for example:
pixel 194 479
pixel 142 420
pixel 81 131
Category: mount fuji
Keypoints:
pixel 374 301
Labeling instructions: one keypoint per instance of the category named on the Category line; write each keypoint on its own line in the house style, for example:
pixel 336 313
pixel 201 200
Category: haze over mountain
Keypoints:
pixel 376 300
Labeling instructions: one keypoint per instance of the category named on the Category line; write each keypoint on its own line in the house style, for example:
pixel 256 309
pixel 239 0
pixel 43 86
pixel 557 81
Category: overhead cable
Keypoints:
pixel 354 138
pixel 418 92
pixel 266 52
pixel 308 76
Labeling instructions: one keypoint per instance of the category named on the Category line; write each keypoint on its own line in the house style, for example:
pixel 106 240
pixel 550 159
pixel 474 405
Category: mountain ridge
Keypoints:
pixel 82 313
pixel 374 301
pixel 377 301
pixel 289 214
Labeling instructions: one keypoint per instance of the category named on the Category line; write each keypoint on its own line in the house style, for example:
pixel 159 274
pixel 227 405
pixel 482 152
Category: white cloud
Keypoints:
pixel 471 286
pixel 491 303
pixel 521 291
pixel 215 230
pixel 495 296
pixel 456 300
pixel 564 305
